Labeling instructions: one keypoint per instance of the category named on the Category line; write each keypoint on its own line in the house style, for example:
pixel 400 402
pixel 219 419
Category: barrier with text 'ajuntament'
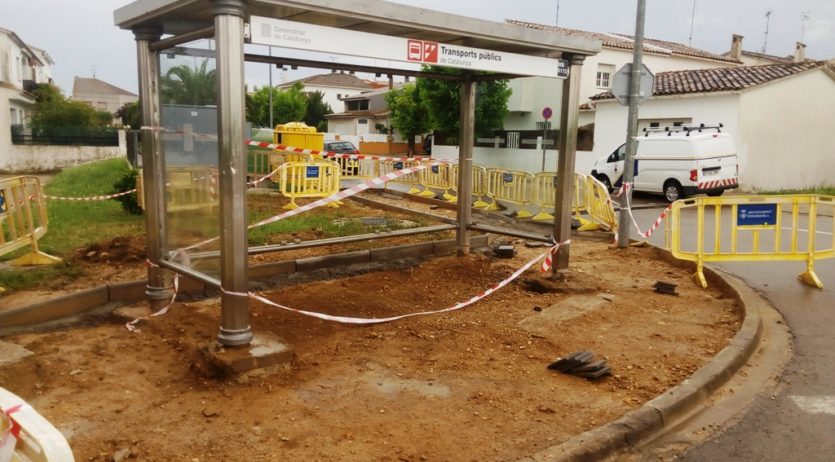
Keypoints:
pixel 599 206
pixel 192 187
pixel 357 169
pixel 780 228
pixel 438 177
pixel 512 186
pixel 317 179
pixel 23 220
pixel 25 436
pixel 479 185
pixel 412 179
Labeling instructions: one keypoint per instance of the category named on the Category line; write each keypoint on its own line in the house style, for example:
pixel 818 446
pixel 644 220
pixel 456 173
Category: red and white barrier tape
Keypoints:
pixel 281 147
pixel 8 439
pixel 645 234
pixel 131 326
pixel 366 321
pixel 90 198
pixel 358 188
pixel 547 264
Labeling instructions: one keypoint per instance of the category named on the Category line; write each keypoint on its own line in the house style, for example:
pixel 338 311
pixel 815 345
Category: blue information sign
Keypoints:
pixel 312 172
pixel 507 177
pixel 435 169
pixel 398 165
pixel 756 215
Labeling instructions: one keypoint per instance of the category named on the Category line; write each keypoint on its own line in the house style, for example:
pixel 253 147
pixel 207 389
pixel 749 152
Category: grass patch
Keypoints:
pixel 824 191
pixel 74 224
pixel 43 276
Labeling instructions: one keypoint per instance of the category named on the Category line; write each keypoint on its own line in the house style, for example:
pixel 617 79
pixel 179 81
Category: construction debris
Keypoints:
pixel 666 288
pixel 504 251
pixel 581 364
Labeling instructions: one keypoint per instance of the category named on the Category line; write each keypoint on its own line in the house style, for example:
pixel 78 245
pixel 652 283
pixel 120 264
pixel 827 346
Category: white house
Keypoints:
pixel 781 116
pixel 334 86
pixel 101 95
pixel 363 114
pixel 532 94
pixel 21 68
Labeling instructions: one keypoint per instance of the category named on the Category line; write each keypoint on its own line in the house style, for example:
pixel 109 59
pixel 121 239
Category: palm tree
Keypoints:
pixel 189 85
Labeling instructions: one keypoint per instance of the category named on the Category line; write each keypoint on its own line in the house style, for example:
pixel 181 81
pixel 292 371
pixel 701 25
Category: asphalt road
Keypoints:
pixel 798 422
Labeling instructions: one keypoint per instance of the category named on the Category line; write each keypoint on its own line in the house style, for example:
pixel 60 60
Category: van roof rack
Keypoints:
pixel 686 129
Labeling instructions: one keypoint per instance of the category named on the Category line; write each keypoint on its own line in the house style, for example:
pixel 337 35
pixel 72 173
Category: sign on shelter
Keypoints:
pixel 310 37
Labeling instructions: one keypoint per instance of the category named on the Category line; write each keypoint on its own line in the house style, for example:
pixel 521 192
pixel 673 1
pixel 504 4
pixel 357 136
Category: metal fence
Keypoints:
pixel 65 136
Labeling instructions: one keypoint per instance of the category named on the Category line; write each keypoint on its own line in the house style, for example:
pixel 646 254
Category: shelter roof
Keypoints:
pixel 721 79
pixel 372 16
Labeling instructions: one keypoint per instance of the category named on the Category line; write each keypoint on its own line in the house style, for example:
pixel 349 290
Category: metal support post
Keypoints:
pixel 160 286
pixel 465 164
pixel 229 38
pixel 632 124
pixel 569 111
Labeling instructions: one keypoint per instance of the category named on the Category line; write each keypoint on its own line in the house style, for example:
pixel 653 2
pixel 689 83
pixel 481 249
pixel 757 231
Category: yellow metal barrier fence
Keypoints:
pixel 479 185
pixel 318 179
pixel 23 220
pixel 412 179
pixel 512 186
pixel 720 221
pixel 192 187
pixel 438 177
pixel 598 204
pixel 357 169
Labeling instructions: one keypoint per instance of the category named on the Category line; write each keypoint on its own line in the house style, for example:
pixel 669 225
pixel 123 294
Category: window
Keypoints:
pixel 101 106
pixel 604 75
pixel 362 121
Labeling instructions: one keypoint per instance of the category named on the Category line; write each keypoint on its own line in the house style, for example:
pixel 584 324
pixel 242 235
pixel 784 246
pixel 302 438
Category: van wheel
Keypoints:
pixel 605 180
pixel 715 193
pixel 673 191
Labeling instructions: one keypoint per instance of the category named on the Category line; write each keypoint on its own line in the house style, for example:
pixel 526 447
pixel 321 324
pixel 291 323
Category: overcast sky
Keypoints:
pixel 81 38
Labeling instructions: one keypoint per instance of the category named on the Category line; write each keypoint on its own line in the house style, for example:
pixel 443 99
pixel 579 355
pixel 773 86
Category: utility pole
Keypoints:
pixel 272 127
pixel 767 21
pixel 692 21
pixel 632 124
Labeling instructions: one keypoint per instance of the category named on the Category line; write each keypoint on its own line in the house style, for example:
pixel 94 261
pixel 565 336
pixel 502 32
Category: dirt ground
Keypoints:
pixel 469 385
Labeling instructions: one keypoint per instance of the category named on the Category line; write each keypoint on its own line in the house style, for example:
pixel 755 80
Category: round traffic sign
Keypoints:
pixel 547 113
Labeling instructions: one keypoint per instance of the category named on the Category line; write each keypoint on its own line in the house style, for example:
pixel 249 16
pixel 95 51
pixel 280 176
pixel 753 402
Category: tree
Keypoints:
pixel 288 105
pixel 131 115
pixel 443 98
pixel 54 114
pixel 408 113
pixel 190 85
pixel 317 109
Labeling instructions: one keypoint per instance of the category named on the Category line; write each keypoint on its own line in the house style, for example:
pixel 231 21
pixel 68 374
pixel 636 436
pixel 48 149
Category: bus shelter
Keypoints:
pixel 188 125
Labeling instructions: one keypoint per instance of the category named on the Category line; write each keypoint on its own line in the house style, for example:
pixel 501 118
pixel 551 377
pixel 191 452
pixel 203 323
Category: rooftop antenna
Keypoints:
pixel 692 20
pixel 804 16
pixel 557 21
pixel 767 21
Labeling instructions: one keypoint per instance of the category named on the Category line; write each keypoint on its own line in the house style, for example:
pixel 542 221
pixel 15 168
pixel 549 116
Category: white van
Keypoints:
pixel 676 162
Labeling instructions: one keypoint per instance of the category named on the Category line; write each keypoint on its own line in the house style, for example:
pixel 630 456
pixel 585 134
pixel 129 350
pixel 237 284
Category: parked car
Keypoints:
pixel 676 162
pixel 342 147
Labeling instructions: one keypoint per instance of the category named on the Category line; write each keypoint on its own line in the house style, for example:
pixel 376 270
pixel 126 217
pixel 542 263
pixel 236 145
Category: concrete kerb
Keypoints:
pixel 117 294
pixel 668 409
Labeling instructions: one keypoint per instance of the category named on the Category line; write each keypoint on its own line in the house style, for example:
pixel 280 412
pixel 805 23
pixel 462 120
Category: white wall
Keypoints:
pixel 708 108
pixel 330 95
pixel 34 159
pixel 526 160
pixel 788 133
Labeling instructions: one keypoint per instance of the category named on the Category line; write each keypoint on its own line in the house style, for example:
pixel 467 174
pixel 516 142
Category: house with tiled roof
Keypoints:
pixel 781 116
pixel 753 58
pixel 102 96
pixel 334 86
pixel 529 95
pixel 361 115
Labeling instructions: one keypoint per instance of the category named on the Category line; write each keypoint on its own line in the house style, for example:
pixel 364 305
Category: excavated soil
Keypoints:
pixel 468 385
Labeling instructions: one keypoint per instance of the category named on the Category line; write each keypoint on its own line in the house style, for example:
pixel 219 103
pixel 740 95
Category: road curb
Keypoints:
pixel 661 413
